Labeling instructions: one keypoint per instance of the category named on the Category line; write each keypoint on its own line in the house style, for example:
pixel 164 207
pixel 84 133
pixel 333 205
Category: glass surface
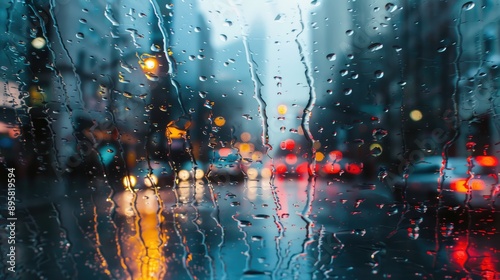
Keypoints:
pixel 265 139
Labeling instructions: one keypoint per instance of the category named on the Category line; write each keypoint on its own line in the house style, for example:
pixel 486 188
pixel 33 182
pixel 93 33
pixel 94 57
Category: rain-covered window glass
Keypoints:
pixel 266 139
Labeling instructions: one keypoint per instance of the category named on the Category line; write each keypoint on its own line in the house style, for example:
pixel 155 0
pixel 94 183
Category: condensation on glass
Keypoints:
pixel 201 139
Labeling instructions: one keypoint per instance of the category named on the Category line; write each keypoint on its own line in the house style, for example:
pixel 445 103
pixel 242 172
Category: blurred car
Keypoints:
pixel 472 181
pixel 148 175
pixel 225 166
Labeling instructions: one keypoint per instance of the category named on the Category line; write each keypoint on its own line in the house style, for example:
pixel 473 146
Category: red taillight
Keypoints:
pixel 487 161
pixel 353 168
pixel 281 168
pixel 291 159
pixel 302 168
pixel 335 155
pixel 461 185
pixel 288 144
pixel 331 168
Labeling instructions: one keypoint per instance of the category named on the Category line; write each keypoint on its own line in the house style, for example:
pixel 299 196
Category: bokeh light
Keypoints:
pixel 38 43
pixel 220 121
pixel 282 109
pixel 183 175
pixel 415 115
pixel 129 181
pixel 150 180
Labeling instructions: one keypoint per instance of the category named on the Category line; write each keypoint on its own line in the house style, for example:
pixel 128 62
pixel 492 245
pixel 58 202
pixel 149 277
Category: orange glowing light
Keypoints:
pixel 246 147
pixel 282 109
pixel 460 185
pixel 487 161
pixel 220 121
pixel 319 156
pixel 174 132
pixel 129 181
pixel 150 180
pixel 150 64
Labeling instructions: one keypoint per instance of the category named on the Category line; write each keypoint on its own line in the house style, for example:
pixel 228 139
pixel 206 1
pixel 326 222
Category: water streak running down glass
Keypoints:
pixel 265 139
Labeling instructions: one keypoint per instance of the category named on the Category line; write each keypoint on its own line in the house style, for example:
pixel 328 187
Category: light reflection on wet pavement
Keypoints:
pixel 252 229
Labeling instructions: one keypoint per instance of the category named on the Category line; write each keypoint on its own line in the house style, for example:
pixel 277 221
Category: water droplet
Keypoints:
pixel 331 57
pixel 244 223
pixel 390 7
pixel 468 6
pixel 360 232
pixel 349 32
pixel 347 91
pixel 203 78
pixel 379 74
pixel 152 77
pixel 208 104
pixel 155 48
pixel 256 238
pixel 441 49
pixel 379 133
pixel 228 23
pixel 197 29
pixel 223 37
pixel 260 216
pixel 375 47
pixel 375 149
pixel 80 35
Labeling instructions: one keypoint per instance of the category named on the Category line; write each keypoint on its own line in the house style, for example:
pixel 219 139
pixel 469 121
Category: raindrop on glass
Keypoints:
pixel 390 7
pixel 441 49
pixel 375 47
pixel 468 6
pixel 331 57
pixel 379 74
pixel 155 48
